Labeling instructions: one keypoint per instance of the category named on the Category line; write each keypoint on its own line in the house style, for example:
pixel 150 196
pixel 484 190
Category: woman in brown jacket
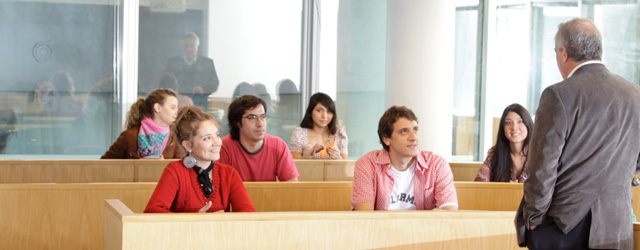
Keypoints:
pixel 148 133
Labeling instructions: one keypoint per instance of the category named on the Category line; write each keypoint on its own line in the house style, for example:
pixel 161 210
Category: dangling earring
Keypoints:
pixel 189 161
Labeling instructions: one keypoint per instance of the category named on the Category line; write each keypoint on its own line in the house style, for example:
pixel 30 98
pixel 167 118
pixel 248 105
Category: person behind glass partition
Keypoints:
pixel 97 118
pixel 42 93
pixel 286 111
pixel 196 74
pixel 148 133
pixel 318 137
pixel 63 103
pixel 198 183
pixel 506 161
pixel 262 93
pixel 242 89
pixel 169 81
pixel 8 120
pixel 401 176
pixel 288 102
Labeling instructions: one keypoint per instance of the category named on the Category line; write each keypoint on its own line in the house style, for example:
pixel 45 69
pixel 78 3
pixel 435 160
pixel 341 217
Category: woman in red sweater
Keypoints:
pixel 196 183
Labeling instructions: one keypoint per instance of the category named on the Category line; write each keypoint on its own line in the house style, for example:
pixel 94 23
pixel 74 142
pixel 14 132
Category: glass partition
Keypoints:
pixel 521 59
pixel 243 47
pixel 466 97
pixel 57 89
pixel 352 67
pixel 58 96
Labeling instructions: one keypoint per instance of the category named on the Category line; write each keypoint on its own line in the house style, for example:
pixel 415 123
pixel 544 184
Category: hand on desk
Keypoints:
pixel 207 206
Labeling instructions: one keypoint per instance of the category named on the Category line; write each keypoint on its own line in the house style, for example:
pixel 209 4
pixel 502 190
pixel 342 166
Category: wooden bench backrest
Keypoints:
pixel 310 230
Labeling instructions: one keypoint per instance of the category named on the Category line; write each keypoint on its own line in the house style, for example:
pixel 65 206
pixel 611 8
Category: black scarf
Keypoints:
pixel 205 181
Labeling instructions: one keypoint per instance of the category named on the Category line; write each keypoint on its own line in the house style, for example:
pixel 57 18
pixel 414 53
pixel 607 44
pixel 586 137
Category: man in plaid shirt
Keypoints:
pixel 400 176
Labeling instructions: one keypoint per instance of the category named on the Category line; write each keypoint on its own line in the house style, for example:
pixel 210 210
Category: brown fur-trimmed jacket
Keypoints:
pixel 126 147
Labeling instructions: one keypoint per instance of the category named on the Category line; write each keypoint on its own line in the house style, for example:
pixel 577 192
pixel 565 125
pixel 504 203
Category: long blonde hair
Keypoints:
pixel 143 108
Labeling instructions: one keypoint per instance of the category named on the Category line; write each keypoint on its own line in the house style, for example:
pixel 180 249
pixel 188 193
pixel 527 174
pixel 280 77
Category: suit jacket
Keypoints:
pixel 202 73
pixel 583 154
pixel 126 147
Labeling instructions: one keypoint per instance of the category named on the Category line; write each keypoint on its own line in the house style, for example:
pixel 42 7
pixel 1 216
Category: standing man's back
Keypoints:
pixel 584 152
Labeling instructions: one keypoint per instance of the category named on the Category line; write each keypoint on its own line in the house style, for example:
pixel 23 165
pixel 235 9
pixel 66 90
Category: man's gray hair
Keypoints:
pixel 191 35
pixel 581 39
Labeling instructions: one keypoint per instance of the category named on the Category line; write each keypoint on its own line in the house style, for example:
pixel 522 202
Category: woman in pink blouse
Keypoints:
pixel 318 136
pixel 506 161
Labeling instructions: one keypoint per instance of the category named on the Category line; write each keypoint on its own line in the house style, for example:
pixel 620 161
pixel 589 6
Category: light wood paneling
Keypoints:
pixel 306 196
pixel 321 230
pixel 339 170
pixel 114 210
pixel 310 170
pixel 69 171
pixel 465 171
pixel 70 216
pixel 149 170
pixel 129 170
pixel 17 171
pixel 62 216
pixel 492 196
pixel 636 236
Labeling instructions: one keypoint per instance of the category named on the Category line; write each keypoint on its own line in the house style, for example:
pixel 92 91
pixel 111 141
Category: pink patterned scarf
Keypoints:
pixel 152 139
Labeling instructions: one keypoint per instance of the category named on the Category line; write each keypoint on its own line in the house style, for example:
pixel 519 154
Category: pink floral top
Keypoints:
pixel 300 143
pixel 484 174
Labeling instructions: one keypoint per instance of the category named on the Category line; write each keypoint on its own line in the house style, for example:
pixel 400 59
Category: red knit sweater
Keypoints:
pixel 179 191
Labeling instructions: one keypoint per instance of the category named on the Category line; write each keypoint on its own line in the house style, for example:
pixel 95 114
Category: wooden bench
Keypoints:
pixel 67 171
pixel 70 216
pixel 126 170
pixel 125 229
pixel 312 170
pixel 492 196
pixel 465 171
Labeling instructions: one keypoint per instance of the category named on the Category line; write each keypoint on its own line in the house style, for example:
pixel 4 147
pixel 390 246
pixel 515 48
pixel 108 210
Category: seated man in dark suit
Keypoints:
pixel 195 73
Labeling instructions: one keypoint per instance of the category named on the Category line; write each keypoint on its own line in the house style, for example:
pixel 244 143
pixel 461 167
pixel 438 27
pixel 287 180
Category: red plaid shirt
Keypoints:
pixel 433 181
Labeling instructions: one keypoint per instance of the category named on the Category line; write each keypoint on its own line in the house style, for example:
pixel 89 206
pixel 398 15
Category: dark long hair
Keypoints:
pixel 501 163
pixel 325 100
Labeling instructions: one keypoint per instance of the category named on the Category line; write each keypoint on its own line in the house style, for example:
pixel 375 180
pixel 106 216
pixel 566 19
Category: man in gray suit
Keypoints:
pixel 196 74
pixel 584 152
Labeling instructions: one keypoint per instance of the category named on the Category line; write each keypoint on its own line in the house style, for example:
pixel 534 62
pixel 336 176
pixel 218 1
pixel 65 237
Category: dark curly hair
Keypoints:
pixel 385 126
pixel 236 111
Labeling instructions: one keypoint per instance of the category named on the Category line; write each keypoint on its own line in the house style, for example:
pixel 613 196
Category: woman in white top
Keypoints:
pixel 318 136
